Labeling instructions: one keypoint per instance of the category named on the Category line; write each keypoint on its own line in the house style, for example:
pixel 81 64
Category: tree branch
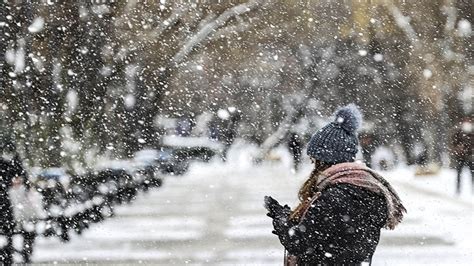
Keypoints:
pixel 449 30
pixel 167 23
pixel 152 36
pixel 224 32
pixel 210 27
pixel 403 22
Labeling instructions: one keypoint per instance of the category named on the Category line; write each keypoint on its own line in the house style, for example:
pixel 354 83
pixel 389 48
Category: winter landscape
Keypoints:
pixel 174 132
pixel 214 215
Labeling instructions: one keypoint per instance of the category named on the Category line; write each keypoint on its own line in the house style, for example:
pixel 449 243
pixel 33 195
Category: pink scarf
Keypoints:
pixel 360 175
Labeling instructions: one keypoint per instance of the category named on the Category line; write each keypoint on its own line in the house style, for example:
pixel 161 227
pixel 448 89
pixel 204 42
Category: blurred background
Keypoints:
pixel 101 75
pixel 106 88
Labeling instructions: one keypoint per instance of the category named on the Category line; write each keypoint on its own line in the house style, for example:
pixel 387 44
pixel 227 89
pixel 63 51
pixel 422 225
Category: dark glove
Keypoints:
pixel 275 209
pixel 281 225
pixel 279 214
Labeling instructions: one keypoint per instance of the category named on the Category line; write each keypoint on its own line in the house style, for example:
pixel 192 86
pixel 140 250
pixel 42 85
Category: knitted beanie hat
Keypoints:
pixel 337 142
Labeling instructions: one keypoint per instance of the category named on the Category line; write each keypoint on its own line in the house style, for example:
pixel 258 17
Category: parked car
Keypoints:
pixel 177 152
pixel 193 148
pixel 165 160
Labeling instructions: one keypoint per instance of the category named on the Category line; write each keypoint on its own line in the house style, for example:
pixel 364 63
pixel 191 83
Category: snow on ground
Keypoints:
pixel 214 215
pixel 438 229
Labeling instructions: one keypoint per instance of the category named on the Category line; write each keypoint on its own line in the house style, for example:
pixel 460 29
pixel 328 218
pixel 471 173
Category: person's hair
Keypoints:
pixel 308 189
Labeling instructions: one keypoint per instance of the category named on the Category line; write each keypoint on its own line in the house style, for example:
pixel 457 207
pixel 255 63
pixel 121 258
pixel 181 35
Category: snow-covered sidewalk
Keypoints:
pixel 439 226
pixel 214 215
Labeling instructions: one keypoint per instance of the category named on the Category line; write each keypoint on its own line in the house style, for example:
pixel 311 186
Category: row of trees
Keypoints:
pixel 84 76
pixel 80 77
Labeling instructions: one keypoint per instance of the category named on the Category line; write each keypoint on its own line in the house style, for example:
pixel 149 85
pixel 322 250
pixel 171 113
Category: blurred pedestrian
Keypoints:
pixel 10 167
pixel 384 158
pixel 224 128
pixel 462 156
pixel 343 204
pixel 420 153
pixel 367 144
pixel 295 145
pixel 27 210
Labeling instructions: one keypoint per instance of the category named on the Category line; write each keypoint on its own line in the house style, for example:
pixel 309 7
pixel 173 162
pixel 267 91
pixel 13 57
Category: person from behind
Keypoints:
pixel 461 151
pixel 10 167
pixel 295 147
pixel 368 146
pixel 343 204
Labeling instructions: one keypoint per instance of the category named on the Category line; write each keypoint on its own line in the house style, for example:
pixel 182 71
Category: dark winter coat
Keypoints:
pixel 342 223
pixel 295 145
pixel 9 168
pixel 6 176
pixel 462 145
pixel 342 226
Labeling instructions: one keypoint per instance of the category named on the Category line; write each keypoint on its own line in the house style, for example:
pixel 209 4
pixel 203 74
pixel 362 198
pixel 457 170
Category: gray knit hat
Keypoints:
pixel 337 141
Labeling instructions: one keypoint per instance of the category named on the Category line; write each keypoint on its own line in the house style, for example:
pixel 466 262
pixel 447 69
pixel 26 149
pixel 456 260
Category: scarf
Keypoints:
pixel 360 175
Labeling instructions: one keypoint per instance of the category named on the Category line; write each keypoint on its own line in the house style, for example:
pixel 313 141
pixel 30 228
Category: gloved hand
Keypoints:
pixel 279 214
pixel 275 210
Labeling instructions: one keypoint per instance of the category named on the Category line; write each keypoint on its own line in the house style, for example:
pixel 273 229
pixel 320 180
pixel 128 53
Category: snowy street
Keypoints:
pixel 150 132
pixel 214 215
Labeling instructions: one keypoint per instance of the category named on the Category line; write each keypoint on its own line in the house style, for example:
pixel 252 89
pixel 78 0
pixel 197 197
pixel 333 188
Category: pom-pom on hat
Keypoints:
pixel 337 142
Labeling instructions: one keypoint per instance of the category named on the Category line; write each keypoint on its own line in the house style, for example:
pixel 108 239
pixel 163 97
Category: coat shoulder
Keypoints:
pixel 359 203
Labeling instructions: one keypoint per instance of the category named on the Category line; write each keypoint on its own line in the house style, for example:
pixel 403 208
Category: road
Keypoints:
pixel 214 216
